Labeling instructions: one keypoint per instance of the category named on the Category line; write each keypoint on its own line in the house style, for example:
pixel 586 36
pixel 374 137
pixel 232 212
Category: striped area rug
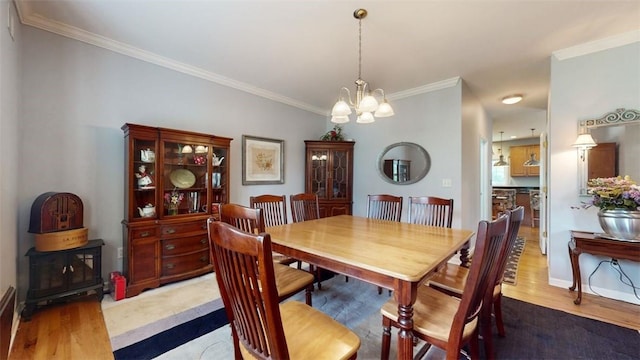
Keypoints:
pixel 511 271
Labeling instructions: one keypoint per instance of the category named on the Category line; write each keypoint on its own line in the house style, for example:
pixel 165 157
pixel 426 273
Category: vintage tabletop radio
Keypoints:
pixel 56 221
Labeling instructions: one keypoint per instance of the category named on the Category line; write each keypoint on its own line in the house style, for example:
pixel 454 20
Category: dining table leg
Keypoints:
pixel 406 297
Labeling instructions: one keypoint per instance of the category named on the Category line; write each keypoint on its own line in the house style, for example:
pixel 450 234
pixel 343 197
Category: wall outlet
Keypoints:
pixel 120 253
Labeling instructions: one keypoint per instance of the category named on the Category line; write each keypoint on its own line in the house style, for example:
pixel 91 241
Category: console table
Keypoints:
pixel 591 243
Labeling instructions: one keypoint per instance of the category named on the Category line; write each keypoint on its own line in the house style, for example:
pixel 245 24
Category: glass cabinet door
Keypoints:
pixel 319 164
pixel 185 178
pixel 145 178
pixel 340 174
pixel 219 177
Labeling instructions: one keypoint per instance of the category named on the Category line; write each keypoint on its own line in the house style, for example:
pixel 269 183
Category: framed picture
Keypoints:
pixel 262 161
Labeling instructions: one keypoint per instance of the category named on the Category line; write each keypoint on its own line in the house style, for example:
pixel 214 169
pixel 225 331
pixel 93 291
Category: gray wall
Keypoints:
pixel 9 147
pixel 585 87
pixel 77 96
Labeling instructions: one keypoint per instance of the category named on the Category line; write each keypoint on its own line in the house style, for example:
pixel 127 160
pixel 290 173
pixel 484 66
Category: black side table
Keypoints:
pixel 55 275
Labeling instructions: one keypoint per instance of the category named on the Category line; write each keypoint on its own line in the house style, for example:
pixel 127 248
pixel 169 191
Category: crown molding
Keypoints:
pixel 598 45
pixel 27 17
pixel 75 33
pixel 439 85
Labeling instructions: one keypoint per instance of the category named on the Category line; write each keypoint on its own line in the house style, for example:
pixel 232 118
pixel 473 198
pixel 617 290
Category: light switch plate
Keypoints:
pixel 446 182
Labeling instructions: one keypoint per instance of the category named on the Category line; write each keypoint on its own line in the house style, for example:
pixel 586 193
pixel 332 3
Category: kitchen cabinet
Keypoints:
pixel 329 174
pixel 174 181
pixel 518 156
pixel 603 161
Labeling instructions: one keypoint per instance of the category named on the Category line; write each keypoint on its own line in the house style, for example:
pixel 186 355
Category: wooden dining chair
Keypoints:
pixel 261 326
pixel 430 210
pixel 383 207
pixel 290 281
pixel 304 206
pixel 274 212
pixel 534 205
pixel 446 321
pixel 452 280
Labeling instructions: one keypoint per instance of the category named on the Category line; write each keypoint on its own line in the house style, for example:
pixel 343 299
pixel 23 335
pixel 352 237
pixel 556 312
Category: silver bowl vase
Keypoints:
pixel 621 224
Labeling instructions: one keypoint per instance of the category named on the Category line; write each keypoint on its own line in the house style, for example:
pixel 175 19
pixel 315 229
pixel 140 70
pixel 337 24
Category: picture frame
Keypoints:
pixel 262 160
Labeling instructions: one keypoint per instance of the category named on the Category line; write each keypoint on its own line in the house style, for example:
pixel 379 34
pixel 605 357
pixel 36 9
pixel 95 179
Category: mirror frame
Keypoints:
pixel 418 177
pixel 613 118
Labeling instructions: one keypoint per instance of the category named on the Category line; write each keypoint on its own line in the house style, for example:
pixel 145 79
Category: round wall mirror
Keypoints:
pixel 403 163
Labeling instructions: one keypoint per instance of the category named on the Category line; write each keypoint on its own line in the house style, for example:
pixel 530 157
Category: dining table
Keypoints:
pixel 395 255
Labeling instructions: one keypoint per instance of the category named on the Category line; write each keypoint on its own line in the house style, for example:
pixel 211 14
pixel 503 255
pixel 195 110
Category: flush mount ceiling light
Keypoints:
pixel 501 161
pixel 512 99
pixel 532 160
pixel 365 104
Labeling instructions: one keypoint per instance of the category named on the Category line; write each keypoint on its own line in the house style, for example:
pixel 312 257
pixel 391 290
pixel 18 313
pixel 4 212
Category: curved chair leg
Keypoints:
pixel 497 310
pixel 386 338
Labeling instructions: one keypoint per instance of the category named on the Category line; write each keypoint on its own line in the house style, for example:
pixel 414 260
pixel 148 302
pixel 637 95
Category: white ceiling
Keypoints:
pixel 301 52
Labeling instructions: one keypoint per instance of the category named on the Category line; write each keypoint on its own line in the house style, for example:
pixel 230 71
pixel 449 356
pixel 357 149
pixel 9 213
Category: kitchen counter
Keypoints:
pixel 522 198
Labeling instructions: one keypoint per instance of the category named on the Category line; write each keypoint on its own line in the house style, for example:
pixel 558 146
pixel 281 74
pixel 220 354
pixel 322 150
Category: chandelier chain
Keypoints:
pixel 360 48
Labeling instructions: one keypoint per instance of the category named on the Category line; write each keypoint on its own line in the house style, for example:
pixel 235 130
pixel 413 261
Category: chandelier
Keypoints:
pixel 365 104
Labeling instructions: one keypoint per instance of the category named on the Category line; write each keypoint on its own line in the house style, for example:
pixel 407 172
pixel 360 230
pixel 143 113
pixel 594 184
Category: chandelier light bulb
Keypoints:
pixel 368 104
pixel 365 118
pixel 341 108
pixel 384 110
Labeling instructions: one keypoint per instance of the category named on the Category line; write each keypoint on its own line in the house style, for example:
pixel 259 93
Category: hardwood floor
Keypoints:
pixel 76 330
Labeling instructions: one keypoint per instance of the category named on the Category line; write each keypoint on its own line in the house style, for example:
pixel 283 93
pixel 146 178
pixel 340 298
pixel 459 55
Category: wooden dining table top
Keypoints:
pixel 404 251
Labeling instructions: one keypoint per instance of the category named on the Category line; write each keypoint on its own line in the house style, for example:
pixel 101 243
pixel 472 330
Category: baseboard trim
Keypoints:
pixel 7 311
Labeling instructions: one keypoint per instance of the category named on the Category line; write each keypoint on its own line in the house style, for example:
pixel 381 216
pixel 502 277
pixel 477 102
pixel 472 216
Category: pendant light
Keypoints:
pixel 501 161
pixel 366 105
pixel 532 160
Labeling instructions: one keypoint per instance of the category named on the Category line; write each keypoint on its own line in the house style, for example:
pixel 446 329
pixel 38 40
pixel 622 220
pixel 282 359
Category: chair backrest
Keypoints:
pixel 304 207
pixel 430 210
pixel 515 219
pixel 534 199
pixel 242 217
pixel 274 208
pixel 490 239
pixel 244 270
pixel 384 207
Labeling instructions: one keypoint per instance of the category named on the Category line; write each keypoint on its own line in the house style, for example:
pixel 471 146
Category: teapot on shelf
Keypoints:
pixel 216 161
pixel 148 211
pixel 147 155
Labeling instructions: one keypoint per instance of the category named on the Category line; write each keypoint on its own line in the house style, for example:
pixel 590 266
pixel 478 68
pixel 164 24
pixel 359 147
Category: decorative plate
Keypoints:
pixel 182 178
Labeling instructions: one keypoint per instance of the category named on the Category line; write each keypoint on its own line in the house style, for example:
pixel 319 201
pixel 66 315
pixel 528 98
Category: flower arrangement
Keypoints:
pixel 333 135
pixel 615 193
pixel 173 200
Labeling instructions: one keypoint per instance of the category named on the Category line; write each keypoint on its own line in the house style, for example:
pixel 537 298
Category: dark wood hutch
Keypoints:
pixel 172 178
pixel 329 174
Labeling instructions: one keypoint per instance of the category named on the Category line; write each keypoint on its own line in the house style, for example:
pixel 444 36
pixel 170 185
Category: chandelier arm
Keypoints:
pixel 348 96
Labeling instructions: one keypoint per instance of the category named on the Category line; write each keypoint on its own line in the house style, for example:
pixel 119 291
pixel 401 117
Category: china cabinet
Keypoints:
pixel 518 155
pixel 173 182
pixel 329 174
